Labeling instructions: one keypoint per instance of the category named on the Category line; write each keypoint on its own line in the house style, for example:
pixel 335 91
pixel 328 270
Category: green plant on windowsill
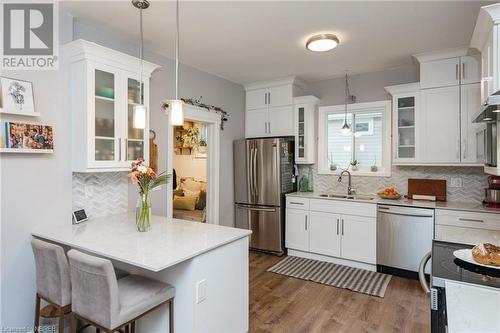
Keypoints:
pixel 354 165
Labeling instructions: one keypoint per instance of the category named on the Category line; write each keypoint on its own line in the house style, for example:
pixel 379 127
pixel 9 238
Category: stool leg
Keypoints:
pixel 171 316
pixel 37 313
pixel 61 320
pixel 73 324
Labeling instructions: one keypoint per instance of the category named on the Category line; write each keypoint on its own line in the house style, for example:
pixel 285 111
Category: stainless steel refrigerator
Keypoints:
pixel 263 173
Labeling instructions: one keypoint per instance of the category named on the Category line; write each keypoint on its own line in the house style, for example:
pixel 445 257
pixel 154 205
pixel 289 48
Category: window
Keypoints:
pixel 369 143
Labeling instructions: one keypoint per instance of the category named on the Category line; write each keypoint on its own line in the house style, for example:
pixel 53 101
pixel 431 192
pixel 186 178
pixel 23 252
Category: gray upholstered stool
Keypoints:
pixel 107 303
pixel 52 280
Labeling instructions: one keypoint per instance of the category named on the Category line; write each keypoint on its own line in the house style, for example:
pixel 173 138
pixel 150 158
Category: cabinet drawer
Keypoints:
pixel 468 219
pixel 466 235
pixel 343 207
pixel 297 203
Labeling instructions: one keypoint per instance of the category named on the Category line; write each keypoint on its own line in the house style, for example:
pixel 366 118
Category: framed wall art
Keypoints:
pixel 16 97
pixel 26 138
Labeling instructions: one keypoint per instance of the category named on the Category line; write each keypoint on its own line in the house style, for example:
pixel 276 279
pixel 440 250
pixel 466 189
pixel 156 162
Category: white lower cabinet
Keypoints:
pixel 359 238
pixel 329 228
pixel 324 233
pixel 296 231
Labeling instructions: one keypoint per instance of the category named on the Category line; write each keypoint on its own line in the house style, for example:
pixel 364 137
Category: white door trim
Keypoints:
pixel 212 120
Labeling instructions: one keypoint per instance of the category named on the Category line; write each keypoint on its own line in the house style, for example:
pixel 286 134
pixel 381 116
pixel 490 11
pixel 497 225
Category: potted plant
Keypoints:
pixel 202 146
pixel 354 165
pixel 333 165
pixel 191 138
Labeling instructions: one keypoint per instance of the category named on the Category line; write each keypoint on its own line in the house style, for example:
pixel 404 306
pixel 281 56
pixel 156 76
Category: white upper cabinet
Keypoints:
pixel 104 88
pixel 470 69
pixel 440 110
pixel 305 129
pixel 439 73
pixel 470 106
pixel 269 108
pixel 485 39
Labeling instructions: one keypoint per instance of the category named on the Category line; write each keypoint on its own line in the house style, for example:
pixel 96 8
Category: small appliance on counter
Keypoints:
pixel 492 193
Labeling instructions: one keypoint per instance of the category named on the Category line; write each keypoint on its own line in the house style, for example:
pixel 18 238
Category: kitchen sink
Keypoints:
pixel 351 197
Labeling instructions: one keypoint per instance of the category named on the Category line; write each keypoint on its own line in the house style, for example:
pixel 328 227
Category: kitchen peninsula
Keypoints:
pixel 207 264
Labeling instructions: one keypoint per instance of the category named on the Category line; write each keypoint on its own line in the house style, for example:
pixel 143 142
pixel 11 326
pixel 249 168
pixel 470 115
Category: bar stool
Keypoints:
pixel 107 303
pixel 52 280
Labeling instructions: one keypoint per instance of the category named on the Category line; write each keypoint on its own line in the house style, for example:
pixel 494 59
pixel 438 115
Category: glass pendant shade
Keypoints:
pixel 139 119
pixel 176 112
pixel 346 129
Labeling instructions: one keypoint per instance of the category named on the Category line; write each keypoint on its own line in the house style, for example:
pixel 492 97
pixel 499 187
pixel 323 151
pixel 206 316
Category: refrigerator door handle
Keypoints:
pixel 252 191
pixel 254 172
pixel 257 208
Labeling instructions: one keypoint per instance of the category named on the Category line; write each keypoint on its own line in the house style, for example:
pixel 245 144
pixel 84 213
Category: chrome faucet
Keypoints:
pixel 350 190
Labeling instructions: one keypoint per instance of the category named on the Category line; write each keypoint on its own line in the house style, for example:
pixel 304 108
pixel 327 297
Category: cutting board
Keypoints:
pixel 434 187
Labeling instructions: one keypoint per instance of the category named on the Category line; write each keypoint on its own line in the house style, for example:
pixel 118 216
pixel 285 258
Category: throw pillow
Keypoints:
pixel 192 185
pixel 202 200
pixel 184 203
pixel 188 193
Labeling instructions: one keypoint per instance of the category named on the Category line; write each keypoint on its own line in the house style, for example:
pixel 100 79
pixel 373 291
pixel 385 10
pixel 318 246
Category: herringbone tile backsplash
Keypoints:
pixel 473 178
pixel 107 193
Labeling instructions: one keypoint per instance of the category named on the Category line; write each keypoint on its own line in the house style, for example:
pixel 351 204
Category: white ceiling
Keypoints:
pixel 246 41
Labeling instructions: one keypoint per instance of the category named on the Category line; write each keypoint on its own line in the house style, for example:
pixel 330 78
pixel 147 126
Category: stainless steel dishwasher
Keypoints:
pixel 404 237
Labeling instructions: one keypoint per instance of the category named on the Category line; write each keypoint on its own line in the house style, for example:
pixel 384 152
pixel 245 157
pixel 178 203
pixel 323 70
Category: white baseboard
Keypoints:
pixel 340 261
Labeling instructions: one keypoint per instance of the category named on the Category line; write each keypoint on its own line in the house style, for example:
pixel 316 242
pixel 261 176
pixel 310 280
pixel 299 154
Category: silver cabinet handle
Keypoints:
pixel 268 98
pixel 265 98
pixel 471 220
pixel 463 70
pixel 464 149
pixel 269 127
pixel 296 203
pixel 305 224
pixel 338 226
pixel 458 149
pixel 265 127
pixel 257 208
pixel 119 149
pixel 342 227
pixel 456 71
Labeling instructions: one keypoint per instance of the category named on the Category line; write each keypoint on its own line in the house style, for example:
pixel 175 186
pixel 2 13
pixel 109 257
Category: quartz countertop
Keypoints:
pixel 472 206
pixel 169 242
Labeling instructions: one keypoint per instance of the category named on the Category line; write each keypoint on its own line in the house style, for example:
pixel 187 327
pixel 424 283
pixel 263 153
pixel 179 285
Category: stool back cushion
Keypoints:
pixel 94 288
pixel 52 272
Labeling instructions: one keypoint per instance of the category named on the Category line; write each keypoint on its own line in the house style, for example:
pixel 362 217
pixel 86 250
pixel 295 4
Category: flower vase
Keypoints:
pixel 143 213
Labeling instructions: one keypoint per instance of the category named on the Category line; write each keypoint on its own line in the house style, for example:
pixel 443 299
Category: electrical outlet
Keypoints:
pixel 456 182
pixel 201 291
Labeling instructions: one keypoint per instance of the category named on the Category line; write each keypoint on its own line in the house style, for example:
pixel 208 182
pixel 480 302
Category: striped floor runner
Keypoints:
pixel 355 279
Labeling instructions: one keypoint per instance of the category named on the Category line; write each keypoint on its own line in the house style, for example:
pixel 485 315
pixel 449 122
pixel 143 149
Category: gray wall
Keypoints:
pixel 192 83
pixel 35 191
pixel 367 87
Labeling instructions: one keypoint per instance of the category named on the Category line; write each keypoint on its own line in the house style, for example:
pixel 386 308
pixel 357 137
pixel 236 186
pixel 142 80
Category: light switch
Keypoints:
pixel 201 291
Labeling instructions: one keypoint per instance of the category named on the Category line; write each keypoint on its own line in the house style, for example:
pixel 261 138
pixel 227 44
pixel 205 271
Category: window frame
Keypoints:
pixel 383 107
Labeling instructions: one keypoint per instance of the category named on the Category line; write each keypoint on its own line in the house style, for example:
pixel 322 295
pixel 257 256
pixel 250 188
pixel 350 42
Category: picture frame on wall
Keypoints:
pixel 16 97
pixel 27 138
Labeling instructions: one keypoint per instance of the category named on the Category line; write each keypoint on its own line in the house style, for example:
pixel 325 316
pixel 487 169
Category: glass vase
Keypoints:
pixel 143 213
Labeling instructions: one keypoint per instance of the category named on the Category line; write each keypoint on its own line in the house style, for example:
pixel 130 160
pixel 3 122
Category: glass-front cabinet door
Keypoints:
pixel 104 148
pixel 135 144
pixel 405 115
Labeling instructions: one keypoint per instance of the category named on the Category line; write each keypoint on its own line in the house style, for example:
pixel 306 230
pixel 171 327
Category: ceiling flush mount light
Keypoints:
pixel 139 114
pixel 176 112
pixel 322 42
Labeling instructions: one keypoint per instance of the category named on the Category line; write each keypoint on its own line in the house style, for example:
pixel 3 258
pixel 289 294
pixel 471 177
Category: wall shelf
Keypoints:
pixel 26 151
pixel 26 114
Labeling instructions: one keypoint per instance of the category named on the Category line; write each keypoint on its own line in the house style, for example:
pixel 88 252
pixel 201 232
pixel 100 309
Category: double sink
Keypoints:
pixel 350 197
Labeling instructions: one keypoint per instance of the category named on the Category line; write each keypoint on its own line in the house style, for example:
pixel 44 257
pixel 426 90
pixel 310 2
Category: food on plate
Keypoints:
pixel 389 192
pixel 486 254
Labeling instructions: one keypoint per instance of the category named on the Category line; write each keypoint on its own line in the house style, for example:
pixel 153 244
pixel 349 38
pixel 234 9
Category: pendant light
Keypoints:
pixel 176 112
pixel 139 110
pixel 345 127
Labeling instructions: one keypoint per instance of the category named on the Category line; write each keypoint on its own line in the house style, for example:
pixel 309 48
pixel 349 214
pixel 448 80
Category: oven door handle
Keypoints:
pixel 421 273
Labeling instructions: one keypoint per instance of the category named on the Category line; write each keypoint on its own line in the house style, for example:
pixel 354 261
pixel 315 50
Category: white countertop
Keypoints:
pixel 451 205
pixel 169 242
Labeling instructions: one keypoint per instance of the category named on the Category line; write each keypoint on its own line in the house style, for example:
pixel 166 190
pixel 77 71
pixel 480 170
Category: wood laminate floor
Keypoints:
pixel 283 304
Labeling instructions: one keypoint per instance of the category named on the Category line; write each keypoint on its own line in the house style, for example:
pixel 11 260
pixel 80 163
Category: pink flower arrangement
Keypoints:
pixel 145 176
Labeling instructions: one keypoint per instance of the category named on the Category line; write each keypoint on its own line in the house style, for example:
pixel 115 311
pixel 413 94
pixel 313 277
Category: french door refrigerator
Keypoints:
pixel 263 174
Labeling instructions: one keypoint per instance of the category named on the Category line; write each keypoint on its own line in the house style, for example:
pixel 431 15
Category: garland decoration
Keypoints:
pixel 197 102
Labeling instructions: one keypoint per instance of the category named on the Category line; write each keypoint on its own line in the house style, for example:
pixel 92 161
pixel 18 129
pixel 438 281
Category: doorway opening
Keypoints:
pixel 194 154
pixel 190 171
